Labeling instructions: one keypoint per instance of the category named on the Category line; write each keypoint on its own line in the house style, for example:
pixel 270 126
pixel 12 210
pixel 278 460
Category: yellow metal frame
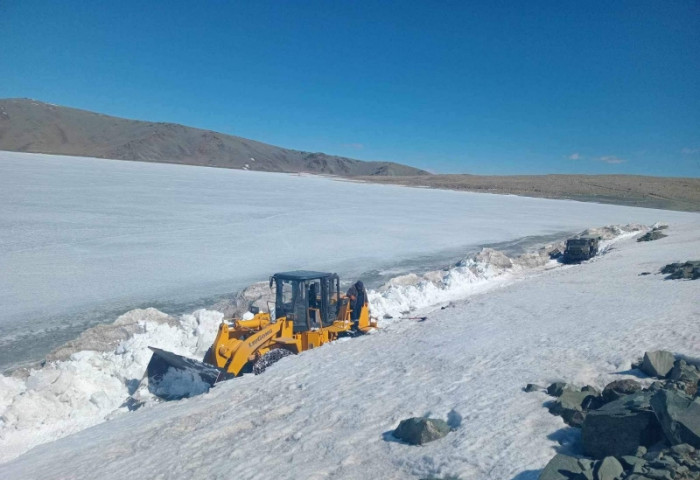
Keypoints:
pixel 242 341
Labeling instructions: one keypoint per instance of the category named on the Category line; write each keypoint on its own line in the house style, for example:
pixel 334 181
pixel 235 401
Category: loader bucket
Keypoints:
pixel 172 376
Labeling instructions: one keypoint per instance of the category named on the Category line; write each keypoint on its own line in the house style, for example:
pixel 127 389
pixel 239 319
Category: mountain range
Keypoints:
pixel 28 125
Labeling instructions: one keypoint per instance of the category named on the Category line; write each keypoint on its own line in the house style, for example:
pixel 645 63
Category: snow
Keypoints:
pixel 328 413
pixel 81 234
pixel 83 240
pixel 68 396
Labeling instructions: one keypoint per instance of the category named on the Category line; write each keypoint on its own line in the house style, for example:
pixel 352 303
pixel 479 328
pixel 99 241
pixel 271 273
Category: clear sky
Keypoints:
pixel 453 87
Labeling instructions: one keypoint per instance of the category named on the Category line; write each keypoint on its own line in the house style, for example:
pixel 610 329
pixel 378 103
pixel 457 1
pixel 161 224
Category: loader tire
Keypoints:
pixel 269 358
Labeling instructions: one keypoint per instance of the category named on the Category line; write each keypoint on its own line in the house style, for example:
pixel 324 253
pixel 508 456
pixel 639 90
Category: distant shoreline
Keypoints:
pixel 665 193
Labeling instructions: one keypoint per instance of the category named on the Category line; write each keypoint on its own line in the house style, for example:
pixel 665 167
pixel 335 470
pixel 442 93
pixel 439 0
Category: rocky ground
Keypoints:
pixel 631 432
pixel 652 192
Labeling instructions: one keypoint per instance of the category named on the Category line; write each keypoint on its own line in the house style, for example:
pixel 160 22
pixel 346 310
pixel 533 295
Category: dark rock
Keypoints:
pixel 556 389
pixel 689 270
pixel 531 387
pixel 687 374
pixel 679 416
pixel 609 469
pixel 133 404
pixel 633 463
pixel 653 455
pixel 591 389
pixel 651 236
pixel 658 363
pixel 620 388
pixel 447 477
pixel 666 462
pixel 644 274
pixel 454 419
pixel 682 448
pixel 417 431
pixel 656 386
pixel 564 467
pixel 658 473
pixel 572 406
pixel 619 427
pixel 588 466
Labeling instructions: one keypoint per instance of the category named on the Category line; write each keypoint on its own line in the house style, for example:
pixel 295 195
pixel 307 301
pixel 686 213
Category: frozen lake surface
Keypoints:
pixel 82 240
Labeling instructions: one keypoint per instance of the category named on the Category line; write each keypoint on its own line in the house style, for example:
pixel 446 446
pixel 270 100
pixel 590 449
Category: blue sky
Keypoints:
pixel 453 87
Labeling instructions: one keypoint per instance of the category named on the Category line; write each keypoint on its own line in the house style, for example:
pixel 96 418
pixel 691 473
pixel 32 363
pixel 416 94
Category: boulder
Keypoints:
pixel 619 427
pixel 417 431
pixel 556 389
pixel 689 270
pixel 609 469
pixel 688 374
pixel 572 405
pixel 679 416
pixel 633 463
pixel 657 363
pixel 620 388
pixel 531 387
pixel 682 449
pixel 564 467
pixel 591 389
pixel 651 236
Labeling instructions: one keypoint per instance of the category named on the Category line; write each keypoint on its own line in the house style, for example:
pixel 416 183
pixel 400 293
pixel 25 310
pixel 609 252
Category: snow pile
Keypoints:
pixel 410 293
pixel 612 232
pixel 89 386
pixel 177 384
pixel 487 270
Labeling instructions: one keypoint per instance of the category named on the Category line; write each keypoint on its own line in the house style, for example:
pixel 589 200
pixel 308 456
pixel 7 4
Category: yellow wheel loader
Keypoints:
pixel 309 311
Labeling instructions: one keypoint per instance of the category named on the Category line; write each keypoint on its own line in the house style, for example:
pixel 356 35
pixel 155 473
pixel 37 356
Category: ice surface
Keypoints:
pixel 84 240
pixel 327 413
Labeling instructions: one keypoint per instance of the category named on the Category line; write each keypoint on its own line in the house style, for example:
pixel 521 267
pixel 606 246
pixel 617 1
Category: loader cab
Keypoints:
pixel 310 299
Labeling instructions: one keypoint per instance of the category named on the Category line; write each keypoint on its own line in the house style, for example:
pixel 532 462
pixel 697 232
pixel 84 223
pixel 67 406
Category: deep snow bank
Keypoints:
pixel 94 377
pixel 87 381
pixel 487 270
